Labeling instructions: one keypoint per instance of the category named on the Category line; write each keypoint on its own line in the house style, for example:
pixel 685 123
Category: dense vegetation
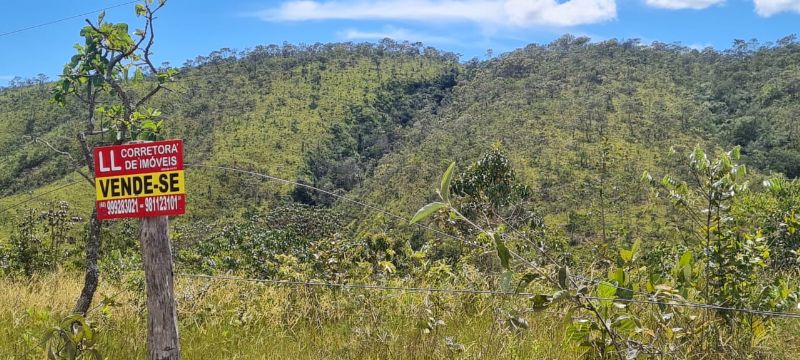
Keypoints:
pixel 550 142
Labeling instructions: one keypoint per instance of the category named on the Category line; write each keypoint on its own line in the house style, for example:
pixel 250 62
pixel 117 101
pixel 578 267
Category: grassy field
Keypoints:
pixel 242 320
pixel 225 320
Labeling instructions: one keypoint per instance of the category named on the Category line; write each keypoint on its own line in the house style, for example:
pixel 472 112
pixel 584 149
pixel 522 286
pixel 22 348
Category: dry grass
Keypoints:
pixel 223 320
pixel 228 320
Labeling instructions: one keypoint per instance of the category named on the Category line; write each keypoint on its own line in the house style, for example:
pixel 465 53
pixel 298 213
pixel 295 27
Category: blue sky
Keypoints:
pixel 187 28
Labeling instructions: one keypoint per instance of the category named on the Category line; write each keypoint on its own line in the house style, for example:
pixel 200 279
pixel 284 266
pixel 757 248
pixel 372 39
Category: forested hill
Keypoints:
pixel 382 121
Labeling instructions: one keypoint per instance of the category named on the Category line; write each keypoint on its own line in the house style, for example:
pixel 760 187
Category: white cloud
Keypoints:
pixel 395 34
pixel 683 4
pixel 493 13
pixel 550 12
pixel 699 47
pixel 768 8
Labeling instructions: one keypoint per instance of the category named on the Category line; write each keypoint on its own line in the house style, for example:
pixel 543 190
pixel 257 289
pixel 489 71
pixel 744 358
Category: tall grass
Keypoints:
pixel 225 320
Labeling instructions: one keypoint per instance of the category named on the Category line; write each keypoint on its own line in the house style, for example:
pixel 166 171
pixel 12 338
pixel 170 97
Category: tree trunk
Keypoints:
pixel 92 272
pixel 162 319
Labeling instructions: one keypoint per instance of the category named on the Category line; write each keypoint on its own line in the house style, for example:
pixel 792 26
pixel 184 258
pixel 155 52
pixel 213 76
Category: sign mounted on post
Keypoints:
pixel 140 180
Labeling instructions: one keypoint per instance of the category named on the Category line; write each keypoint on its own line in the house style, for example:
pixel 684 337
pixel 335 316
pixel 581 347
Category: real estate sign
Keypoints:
pixel 140 179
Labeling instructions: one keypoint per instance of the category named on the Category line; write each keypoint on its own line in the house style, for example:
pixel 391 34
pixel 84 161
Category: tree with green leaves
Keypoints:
pixel 114 66
pixel 725 266
pixel 733 253
pixel 495 186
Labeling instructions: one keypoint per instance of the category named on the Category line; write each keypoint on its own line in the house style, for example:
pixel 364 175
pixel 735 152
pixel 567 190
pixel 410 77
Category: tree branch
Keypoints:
pixel 148 96
pixel 150 32
pixel 87 156
pixel 91 95
pixel 63 153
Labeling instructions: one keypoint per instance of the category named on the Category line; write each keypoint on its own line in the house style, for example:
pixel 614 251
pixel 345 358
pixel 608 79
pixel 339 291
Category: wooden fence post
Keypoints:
pixel 162 318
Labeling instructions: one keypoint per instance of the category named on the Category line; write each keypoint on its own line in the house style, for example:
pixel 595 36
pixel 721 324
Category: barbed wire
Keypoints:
pixel 355 286
pixel 18 204
pixel 423 226
pixel 393 215
pixel 673 303
pixel 682 303
pixel 338 196
pixel 65 19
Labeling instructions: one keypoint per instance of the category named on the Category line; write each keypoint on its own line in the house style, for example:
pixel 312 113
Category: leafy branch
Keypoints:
pixel 568 287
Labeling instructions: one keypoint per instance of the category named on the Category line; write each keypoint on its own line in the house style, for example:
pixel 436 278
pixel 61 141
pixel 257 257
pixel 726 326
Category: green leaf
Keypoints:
pixel 685 266
pixel 122 30
pixel 563 277
pixel 146 135
pixel 736 153
pixel 140 10
pixel 626 255
pixel 606 291
pixel 699 159
pixel 101 17
pixel 619 276
pixel 49 334
pixel 505 281
pixel 138 75
pixel 427 210
pixel 636 245
pixel 444 189
pixel 69 320
pixel 685 260
pixel 741 171
pixel 502 252
pixel 774 185
pixel 624 323
pixel 666 181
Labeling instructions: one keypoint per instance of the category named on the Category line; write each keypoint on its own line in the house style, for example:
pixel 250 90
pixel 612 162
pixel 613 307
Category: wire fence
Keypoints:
pixel 651 299
pixel 37 196
pixel 663 302
pixel 65 19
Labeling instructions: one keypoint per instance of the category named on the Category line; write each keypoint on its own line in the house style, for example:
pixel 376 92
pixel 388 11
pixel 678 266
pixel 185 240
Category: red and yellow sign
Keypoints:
pixel 139 180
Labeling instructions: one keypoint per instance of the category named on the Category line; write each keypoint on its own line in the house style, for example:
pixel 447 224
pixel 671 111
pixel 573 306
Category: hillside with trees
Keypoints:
pixel 587 174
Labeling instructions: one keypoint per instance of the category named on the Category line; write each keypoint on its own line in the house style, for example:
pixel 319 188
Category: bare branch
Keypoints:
pixel 150 32
pixel 91 95
pixel 92 26
pixel 126 101
pixel 44 142
pixel 148 96
pixel 81 98
pixel 63 153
